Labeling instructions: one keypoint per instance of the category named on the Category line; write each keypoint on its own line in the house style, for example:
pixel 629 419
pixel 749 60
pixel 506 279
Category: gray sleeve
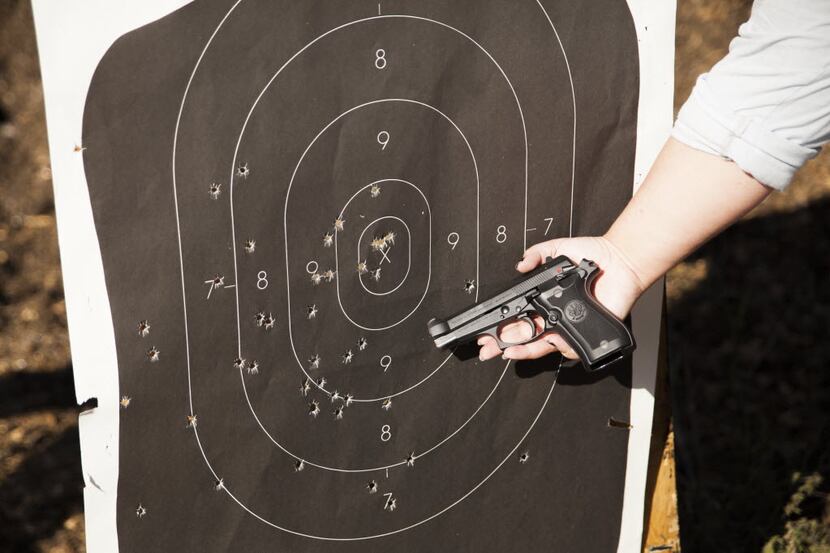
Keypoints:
pixel 766 105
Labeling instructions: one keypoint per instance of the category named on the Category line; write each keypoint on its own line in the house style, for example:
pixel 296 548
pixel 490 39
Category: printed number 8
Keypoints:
pixel 262 280
pixel 501 234
pixel 385 433
pixel 380 59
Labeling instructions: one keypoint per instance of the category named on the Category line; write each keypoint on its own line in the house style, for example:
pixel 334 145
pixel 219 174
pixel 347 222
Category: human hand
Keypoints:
pixel 616 288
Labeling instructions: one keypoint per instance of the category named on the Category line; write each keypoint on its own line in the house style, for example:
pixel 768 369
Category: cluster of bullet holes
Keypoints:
pixel 251 367
pixel 265 321
pixel 314 409
pixel 317 278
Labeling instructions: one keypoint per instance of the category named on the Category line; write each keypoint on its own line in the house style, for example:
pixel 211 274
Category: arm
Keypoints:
pixel 688 197
pixel 755 118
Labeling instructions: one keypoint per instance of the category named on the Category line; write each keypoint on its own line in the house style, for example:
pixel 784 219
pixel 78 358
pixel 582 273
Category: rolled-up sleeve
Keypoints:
pixel 766 105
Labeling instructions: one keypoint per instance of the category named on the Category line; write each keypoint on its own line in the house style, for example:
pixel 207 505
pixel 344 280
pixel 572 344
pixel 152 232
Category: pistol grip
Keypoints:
pixel 596 335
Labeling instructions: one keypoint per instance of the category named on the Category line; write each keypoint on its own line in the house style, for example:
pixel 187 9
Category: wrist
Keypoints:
pixel 622 249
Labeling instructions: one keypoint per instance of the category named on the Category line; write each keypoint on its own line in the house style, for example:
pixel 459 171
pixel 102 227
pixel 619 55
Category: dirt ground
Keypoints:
pixel 748 340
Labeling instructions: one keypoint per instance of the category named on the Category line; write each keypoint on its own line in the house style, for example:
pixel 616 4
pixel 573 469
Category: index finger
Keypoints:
pixel 535 255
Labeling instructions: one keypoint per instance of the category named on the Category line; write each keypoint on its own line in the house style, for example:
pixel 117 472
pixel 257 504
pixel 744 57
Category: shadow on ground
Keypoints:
pixel 45 488
pixel 749 355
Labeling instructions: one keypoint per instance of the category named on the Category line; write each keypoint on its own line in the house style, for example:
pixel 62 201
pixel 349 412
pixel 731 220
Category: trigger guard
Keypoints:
pixel 527 320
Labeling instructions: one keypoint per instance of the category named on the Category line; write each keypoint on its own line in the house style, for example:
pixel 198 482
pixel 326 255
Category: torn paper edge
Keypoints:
pixel 655 25
pixel 72 38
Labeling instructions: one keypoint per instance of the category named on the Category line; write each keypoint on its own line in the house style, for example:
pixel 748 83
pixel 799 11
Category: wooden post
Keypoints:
pixel 661 529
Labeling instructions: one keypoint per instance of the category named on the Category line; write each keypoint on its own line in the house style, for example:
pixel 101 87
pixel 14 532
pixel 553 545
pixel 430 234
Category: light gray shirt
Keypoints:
pixel 766 105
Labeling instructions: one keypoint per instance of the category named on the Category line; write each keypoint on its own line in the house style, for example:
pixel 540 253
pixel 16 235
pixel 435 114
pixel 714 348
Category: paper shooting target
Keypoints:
pixel 285 192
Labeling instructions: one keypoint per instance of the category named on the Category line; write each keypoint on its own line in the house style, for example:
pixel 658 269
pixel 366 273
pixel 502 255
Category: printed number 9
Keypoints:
pixel 453 239
pixel 262 280
pixel 380 58
pixel 385 362
pixel 385 433
pixel 383 139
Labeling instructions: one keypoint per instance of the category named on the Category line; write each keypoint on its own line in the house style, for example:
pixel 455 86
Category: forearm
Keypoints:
pixel 687 197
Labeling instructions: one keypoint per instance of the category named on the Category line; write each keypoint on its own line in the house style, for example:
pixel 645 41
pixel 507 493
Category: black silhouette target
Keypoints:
pixel 336 175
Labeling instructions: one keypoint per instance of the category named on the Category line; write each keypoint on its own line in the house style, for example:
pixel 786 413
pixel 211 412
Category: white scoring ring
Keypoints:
pixel 184 289
pixel 429 260
pixel 285 233
pixel 359 257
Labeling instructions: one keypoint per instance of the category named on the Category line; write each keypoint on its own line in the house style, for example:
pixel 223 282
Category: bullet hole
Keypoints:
pixel 192 421
pixel 523 458
pixel 268 322
pixel 217 281
pixel 378 244
pixel 311 311
pixel 153 354
pixel 335 395
pixel 316 278
pixel 328 275
pixel 215 190
pixel 238 363
pixel 372 486
pixel 140 511
pixel 362 268
pixel 469 286
pixel 299 465
pixel 362 344
pixel 253 367
pixel 376 274
pixel 391 504
pixel 314 408
pixel 250 245
pixel 347 357
pixel 305 387
pixel 387 404
pixel 143 328
pixel 78 148
pixel 125 401
pixel 614 423
pixel 389 238
pixel 259 318
pixel 314 361
pixel 321 383
pixel 410 459
pixel 243 171
pixel 219 485
pixel 328 240
pixel 338 413
pixel 338 224
pixel 374 191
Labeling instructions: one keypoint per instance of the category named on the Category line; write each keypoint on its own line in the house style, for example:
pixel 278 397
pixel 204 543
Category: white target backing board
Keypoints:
pixel 260 205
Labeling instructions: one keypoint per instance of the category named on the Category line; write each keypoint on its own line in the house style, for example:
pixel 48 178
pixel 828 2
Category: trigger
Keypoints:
pixel 534 331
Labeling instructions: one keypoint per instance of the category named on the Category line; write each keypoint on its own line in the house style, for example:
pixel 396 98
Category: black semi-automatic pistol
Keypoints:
pixel 559 292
